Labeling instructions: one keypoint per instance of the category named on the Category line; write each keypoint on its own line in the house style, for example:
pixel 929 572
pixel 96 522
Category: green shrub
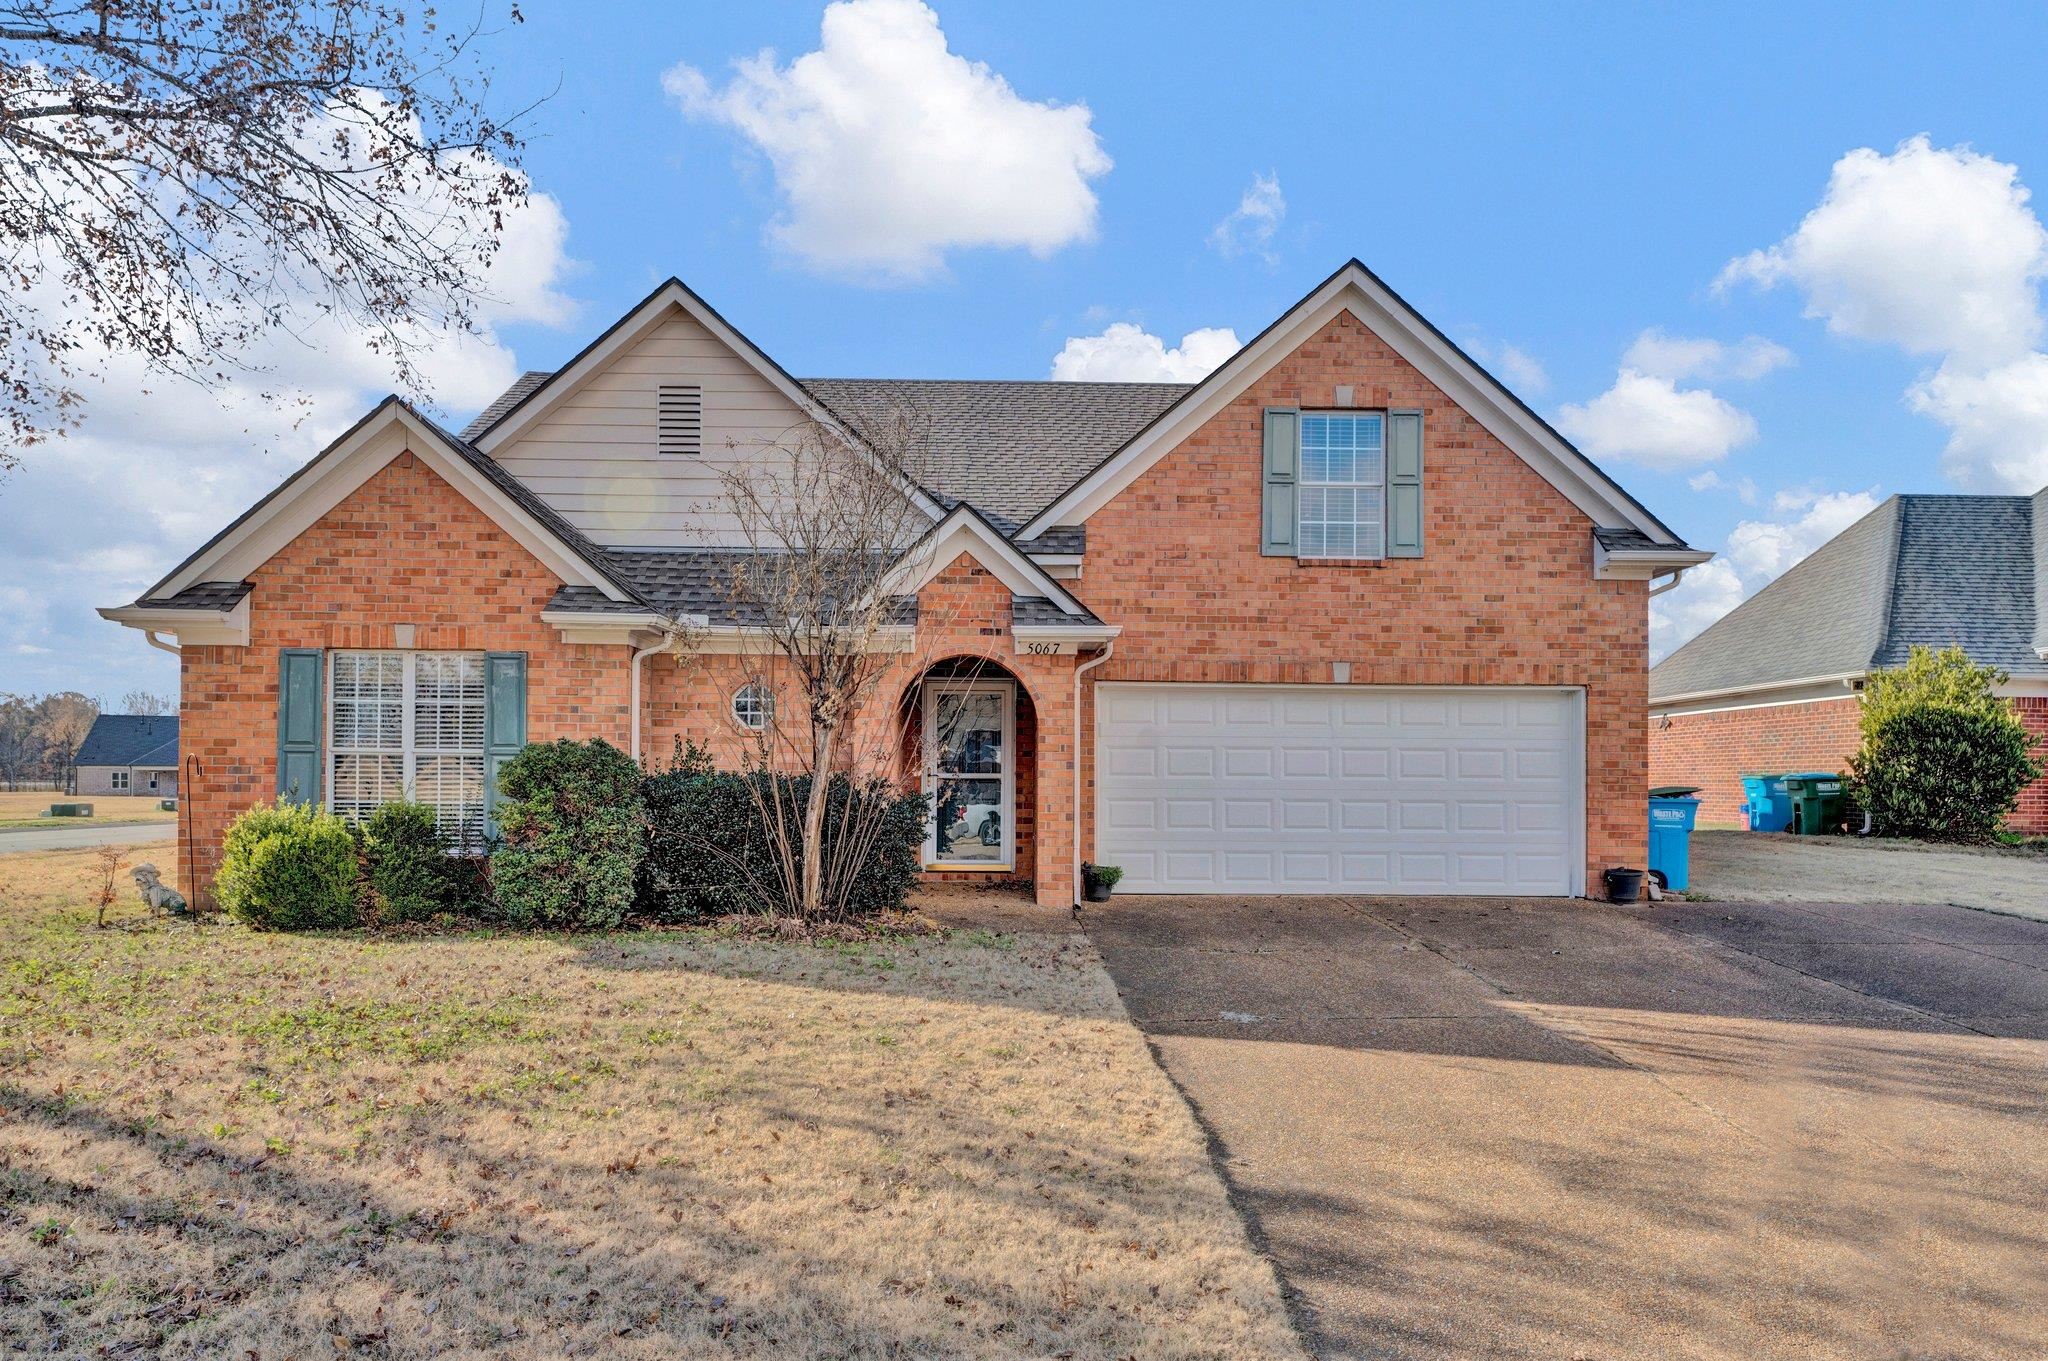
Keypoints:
pixel 711 849
pixel 573 833
pixel 1947 679
pixel 1942 774
pixel 409 874
pixel 288 867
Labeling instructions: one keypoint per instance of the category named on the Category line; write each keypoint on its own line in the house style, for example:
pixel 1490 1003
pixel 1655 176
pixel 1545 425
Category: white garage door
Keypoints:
pixel 1339 789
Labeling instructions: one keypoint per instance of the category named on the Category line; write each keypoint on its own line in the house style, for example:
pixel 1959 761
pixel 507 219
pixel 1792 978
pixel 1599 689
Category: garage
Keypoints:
pixel 1341 788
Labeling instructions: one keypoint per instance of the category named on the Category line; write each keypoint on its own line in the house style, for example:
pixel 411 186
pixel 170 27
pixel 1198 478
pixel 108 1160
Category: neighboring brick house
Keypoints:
pixel 1775 684
pixel 128 754
pixel 1345 616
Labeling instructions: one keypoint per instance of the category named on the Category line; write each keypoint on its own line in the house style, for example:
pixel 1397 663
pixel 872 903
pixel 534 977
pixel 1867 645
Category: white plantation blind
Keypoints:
pixel 681 420
pixel 409 725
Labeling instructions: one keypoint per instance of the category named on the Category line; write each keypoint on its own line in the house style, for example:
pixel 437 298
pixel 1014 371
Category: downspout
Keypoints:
pixel 668 638
pixel 1079 671
pixel 1677 575
pixel 159 643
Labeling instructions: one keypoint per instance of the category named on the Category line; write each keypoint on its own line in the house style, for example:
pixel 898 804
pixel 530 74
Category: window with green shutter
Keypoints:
pixel 299 724
pixel 504 723
pixel 1342 484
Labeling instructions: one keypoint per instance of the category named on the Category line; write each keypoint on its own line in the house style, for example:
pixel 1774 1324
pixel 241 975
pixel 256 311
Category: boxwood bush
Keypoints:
pixel 573 829
pixel 410 873
pixel 710 850
pixel 289 867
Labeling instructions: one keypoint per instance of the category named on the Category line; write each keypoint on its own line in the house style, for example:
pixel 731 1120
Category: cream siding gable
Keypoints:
pixel 594 453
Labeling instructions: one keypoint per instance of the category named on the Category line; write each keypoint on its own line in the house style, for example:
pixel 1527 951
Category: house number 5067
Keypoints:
pixel 1041 649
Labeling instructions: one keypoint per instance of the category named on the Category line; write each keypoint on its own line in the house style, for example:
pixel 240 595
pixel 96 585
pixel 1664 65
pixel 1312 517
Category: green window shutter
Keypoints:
pixel 300 701
pixel 1283 468
pixel 504 723
pixel 1404 484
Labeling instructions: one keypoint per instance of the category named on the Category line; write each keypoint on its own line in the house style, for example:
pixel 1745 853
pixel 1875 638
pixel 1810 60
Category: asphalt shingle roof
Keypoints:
pixel 1008 447
pixel 522 388
pixel 130 739
pixel 207 595
pixel 1929 570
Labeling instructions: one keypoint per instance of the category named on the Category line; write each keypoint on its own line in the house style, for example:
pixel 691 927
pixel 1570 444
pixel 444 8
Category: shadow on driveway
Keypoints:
pixel 1492 1128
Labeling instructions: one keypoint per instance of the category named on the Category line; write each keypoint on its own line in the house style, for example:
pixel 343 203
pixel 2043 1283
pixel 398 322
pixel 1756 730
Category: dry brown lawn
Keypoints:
pixel 25 808
pixel 215 1143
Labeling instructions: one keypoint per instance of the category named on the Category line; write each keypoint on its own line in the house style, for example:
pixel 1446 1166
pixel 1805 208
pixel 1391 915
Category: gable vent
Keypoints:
pixel 681 420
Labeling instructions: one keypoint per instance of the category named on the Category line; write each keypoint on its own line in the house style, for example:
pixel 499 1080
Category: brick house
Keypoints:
pixel 1345 616
pixel 1775 684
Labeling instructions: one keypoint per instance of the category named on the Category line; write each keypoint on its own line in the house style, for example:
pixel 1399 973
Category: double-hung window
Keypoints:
pixel 409 725
pixel 1343 485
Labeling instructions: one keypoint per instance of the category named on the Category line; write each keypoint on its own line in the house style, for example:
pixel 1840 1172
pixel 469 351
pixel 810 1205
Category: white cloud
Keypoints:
pixel 1997 420
pixel 1125 353
pixel 1523 371
pixel 1931 249
pixel 1678 358
pixel 890 150
pixel 1935 250
pixel 1252 224
pixel 1648 420
pixel 1757 552
pixel 158 464
pixel 1745 488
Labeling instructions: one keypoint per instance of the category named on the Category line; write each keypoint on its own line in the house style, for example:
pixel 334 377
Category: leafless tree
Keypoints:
pixel 832 530
pixel 148 704
pixel 178 177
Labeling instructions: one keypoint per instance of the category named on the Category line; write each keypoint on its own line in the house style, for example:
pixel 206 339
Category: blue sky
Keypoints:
pixel 1546 183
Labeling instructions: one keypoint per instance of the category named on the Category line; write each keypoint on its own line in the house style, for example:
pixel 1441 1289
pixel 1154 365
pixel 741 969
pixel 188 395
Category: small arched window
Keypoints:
pixel 753 706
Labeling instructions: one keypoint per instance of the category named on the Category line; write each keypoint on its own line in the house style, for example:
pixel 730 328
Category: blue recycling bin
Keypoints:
pixel 1671 840
pixel 1767 802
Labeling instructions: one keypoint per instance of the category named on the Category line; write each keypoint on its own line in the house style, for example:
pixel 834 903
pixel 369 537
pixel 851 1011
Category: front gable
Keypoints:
pixel 1405 335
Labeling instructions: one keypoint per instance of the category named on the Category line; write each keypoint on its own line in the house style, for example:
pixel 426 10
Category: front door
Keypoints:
pixel 970 773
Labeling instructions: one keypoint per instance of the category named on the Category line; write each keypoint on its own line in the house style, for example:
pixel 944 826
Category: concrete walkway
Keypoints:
pixel 1543 1130
pixel 75 838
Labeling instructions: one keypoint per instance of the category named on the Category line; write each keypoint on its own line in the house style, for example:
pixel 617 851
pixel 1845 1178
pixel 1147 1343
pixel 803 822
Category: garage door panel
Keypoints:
pixel 1335 789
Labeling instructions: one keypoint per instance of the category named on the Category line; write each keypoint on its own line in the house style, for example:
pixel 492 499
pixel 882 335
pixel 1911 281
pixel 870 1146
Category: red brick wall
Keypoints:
pixel 404 548
pixel 1504 594
pixel 2032 814
pixel 1715 750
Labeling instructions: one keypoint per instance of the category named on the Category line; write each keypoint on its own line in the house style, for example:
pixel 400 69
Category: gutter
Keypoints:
pixel 1108 649
pixel 1843 678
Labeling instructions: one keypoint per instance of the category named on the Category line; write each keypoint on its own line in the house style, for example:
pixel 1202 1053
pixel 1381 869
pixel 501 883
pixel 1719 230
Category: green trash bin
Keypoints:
pixel 1816 801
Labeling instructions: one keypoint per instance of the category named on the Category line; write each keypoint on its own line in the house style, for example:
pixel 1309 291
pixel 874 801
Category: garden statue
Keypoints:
pixel 160 896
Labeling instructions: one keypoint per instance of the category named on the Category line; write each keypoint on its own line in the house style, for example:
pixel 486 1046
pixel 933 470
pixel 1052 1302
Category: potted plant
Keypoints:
pixel 1098 880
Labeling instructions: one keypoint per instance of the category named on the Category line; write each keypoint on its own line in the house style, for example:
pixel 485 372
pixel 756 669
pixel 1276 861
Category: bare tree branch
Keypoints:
pixel 178 177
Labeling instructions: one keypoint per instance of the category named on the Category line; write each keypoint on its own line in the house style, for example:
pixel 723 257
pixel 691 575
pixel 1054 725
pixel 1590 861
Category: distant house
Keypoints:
pixel 1776 684
pixel 128 754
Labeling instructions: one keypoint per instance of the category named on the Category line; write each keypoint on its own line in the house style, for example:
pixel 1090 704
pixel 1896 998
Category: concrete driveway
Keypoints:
pixel 1482 1128
pixel 1741 867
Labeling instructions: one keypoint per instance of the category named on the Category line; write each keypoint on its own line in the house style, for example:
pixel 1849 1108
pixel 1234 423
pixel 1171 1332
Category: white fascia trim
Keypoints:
pixel 1642 564
pixel 1353 289
pixel 199 628
pixel 733 639
pixel 582 626
pixel 634 327
pixel 1061 640
pixel 1845 679
pixel 346 465
pixel 964 531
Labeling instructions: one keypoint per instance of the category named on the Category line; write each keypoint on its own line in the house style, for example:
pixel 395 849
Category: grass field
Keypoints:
pixel 215 1143
pixel 25 809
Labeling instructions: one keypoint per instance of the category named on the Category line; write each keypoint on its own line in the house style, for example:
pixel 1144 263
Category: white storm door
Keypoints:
pixel 970 774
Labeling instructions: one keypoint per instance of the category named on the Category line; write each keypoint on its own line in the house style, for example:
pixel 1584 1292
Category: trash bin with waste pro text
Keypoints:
pixel 1671 841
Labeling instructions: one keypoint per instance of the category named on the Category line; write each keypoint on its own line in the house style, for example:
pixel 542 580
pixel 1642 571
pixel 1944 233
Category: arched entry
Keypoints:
pixel 970 739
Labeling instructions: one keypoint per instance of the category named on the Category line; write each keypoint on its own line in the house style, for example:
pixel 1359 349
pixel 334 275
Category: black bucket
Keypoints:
pixel 1623 886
